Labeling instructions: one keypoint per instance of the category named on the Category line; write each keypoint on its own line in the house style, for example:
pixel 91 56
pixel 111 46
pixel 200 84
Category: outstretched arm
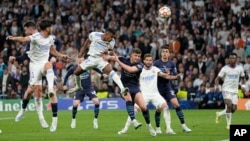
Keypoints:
pixel 69 72
pixel 54 52
pixel 168 76
pixel 84 48
pixel 19 38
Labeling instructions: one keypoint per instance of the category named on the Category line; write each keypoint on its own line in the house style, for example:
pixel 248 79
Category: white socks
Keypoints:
pixel 167 117
pixel 39 107
pixel 50 76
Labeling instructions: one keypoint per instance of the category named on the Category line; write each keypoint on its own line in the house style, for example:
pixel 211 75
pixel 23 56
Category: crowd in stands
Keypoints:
pixel 200 34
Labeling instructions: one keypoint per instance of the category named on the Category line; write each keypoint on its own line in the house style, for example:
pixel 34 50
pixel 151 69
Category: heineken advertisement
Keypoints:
pixel 66 104
pixel 16 105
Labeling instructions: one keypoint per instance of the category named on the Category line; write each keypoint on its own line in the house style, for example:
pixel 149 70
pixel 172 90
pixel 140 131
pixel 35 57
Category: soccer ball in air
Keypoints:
pixel 164 12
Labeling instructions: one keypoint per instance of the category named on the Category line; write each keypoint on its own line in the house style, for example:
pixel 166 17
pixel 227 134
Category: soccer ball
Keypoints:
pixel 164 12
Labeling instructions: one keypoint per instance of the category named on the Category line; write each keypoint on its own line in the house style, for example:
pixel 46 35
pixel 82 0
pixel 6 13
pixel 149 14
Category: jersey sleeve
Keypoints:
pixel 139 66
pixel 174 69
pixel 111 44
pixel 222 72
pixel 91 36
pixel 242 73
pixel 156 69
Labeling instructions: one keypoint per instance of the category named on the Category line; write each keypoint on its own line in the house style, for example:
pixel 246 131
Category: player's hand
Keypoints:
pixel 65 57
pixel 12 59
pixel 65 88
pixel 10 38
pixel 52 60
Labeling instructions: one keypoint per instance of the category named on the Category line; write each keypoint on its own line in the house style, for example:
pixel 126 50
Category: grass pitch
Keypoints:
pixel 202 123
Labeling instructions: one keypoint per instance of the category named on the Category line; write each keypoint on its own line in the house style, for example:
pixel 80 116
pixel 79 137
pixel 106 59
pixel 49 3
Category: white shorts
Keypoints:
pixel 94 62
pixel 231 96
pixel 36 73
pixel 156 99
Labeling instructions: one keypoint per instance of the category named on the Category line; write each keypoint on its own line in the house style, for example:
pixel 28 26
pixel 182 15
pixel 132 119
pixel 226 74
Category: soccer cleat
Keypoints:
pixel 124 91
pixel 73 123
pixel 136 124
pixel 53 125
pixel 228 127
pixel 43 123
pixel 217 117
pixel 75 89
pixel 19 115
pixel 123 131
pixel 151 130
pixel 95 123
pixel 158 130
pixel 170 131
pixel 185 128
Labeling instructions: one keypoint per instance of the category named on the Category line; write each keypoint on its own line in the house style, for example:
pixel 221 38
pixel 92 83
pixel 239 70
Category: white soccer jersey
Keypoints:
pixel 231 78
pixel 148 81
pixel 40 47
pixel 97 45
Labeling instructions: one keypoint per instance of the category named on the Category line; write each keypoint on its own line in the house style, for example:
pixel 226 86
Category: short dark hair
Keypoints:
pixel 147 55
pixel 30 24
pixel 110 30
pixel 136 51
pixel 164 47
pixel 45 24
pixel 233 54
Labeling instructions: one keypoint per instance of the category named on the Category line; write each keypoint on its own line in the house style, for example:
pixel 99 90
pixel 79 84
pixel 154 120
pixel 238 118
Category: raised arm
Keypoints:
pixel 84 48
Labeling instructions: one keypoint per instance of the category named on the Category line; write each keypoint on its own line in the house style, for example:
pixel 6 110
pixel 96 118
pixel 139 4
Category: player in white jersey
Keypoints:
pixel 41 45
pixel 231 75
pixel 30 28
pixel 99 44
pixel 148 85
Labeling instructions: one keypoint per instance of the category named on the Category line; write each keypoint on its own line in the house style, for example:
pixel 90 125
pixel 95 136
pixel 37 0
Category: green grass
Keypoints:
pixel 200 121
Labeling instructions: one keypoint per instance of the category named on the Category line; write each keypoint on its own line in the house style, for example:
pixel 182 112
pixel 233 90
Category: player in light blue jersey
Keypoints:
pixel 88 90
pixel 41 46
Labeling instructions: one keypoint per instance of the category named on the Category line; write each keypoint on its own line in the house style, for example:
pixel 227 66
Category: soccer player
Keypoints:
pixel 131 69
pixel 148 84
pixel 41 45
pixel 98 44
pixel 166 90
pixel 231 75
pixel 30 28
pixel 79 96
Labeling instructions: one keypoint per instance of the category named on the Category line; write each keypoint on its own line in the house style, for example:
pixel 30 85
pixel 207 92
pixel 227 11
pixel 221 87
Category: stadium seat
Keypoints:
pixel 103 94
pixel 240 93
pixel 182 95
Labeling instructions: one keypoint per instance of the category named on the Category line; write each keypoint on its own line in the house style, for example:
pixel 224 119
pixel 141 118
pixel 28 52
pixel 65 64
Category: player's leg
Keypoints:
pixel 160 104
pixel 54 109
pixel 139 100
pixel 78 98
pixel 231 100
pixel 39 105
pixel 128 122
pixel 25 101
pixel 50 77
pixel 219 114
pixel 108 70
pixel 131 110
pixel 174 101
pixel 95 100
pixel 87 64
